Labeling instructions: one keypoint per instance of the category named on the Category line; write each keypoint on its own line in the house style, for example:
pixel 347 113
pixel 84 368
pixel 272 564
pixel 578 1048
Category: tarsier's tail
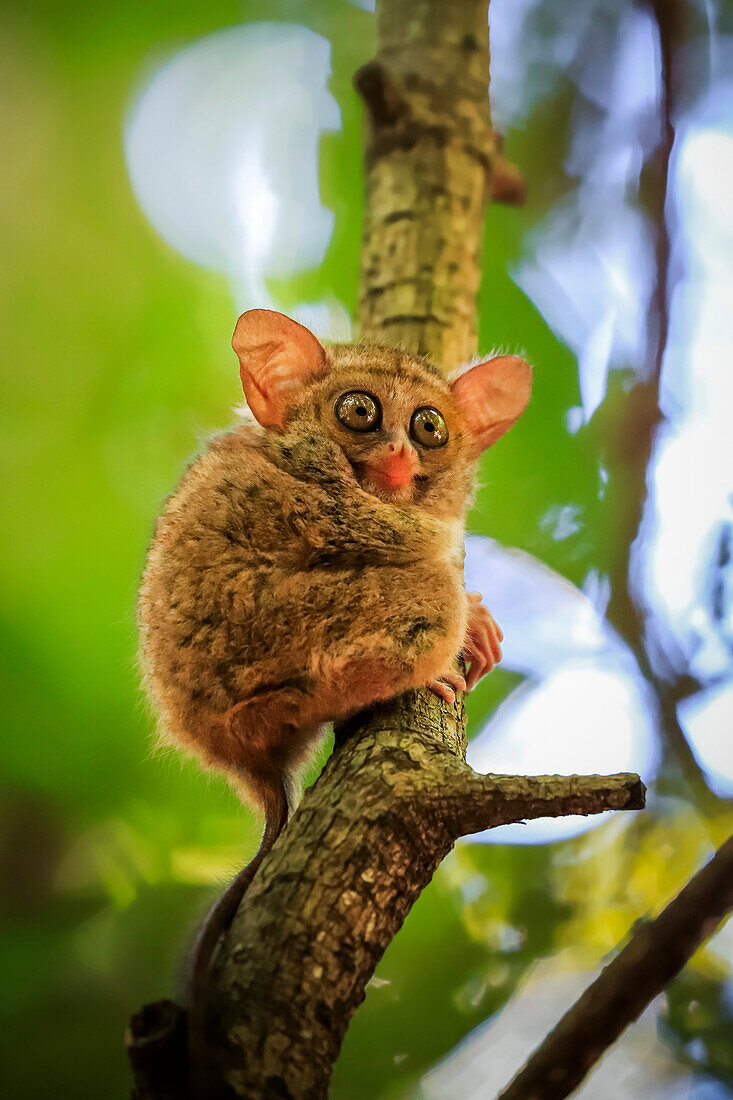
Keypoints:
pixel 218 919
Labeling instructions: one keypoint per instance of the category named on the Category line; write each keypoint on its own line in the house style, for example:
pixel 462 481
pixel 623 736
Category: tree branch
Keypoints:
pixel 655 953
pixel 470 803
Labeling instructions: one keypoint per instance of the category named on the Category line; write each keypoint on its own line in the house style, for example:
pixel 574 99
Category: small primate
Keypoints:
pixel 311 560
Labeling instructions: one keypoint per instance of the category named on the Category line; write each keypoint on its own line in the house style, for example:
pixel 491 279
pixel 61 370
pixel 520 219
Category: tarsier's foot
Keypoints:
pixel 481 649
pixel 446 685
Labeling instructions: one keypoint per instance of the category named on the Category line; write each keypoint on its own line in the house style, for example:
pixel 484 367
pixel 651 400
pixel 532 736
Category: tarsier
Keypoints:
pixel 311 561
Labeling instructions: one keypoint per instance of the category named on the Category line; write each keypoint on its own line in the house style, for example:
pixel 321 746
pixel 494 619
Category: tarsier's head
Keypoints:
pixel 409 435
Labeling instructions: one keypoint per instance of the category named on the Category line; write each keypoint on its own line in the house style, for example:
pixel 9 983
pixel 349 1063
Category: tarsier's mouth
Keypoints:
pixel 392 472
pixel 387 482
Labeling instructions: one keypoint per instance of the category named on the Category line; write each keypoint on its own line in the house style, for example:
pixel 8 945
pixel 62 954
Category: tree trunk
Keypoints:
pixel 428 165
pixel 396 793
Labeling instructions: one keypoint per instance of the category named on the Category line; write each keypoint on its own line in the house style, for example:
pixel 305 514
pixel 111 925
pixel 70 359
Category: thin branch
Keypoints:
pixel 655 953
pixel 639 419
pixel 469 802
pixel 667 17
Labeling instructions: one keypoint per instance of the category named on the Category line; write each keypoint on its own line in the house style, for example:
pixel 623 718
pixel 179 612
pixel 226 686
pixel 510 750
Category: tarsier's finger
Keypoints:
pixel 456 680
pixel 479 662
pixel 492 634
pixel 482 619
pixel 494 649
pixel 496 628
pixel 494 640
pixel 489 647
pixel 482 648
pixel 476 671
pixel 446 686
pixel 478 612
pixel 441 690
pixel 488 657
pixel 480 637
pixel 480 609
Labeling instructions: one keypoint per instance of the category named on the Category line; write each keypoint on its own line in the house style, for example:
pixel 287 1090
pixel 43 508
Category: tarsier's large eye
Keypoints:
pixel 358 411
pixel 428 428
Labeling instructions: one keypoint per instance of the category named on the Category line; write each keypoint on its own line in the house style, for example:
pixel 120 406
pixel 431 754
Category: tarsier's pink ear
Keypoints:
pixel 276 357
pixel 492 396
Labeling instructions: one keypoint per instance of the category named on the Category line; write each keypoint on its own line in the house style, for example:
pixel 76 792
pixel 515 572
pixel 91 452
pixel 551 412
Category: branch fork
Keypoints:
pixel 365 840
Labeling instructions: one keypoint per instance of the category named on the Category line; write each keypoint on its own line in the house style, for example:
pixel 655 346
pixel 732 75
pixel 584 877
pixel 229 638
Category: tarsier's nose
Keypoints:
pixel 397 463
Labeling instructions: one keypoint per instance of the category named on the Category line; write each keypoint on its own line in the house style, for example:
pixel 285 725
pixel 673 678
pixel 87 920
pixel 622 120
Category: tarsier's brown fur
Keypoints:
pixel 303 570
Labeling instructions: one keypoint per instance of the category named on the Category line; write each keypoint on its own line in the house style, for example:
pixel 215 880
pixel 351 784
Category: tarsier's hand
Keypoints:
pixel 481 649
